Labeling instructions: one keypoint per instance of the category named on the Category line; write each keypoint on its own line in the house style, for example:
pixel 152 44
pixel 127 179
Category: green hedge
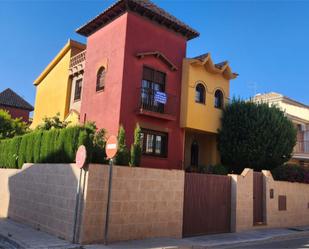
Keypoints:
pixel 54 146
pixel 291 173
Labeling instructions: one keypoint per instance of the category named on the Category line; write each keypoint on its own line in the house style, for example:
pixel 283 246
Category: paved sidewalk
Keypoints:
pixel 29 238
pixel 25 237
pixel 207 241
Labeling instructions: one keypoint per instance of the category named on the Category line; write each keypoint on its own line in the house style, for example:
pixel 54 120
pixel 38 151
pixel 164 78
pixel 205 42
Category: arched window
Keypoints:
pixel 219 99
pixel 100 79
pixel 200 93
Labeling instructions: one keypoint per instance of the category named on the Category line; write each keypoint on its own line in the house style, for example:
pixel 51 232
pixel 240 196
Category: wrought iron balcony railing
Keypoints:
pixel 302 147
pixel 157 102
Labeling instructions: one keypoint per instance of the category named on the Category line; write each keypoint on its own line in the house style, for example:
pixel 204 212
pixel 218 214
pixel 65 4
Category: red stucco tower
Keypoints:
pixel 133 75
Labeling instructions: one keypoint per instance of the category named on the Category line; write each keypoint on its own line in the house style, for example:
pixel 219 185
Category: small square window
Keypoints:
pixel 154 143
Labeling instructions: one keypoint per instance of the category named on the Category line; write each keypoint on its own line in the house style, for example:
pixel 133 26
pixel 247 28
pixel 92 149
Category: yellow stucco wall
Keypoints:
pixel 203 117
pixel 53 86
pixel 207 143
pixel 51 93
pixel 72 118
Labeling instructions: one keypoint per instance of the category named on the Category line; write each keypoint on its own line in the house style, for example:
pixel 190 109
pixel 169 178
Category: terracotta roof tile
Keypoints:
pixel 143 7
pixel 9 98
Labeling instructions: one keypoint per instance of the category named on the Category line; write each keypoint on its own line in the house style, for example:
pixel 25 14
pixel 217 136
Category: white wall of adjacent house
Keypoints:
pixel 294 110
pixel 306 139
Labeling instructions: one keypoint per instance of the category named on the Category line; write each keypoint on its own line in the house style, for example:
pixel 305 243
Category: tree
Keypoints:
pixel 10 127
pixel 255 135
pixel 99 143
pixel 123 155
pixel 52 122
pixel 136 148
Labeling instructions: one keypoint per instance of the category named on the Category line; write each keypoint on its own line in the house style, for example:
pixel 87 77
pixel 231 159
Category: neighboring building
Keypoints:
pixel 205 91
pixel 55 84
pixel 298 113
pixel 133 72
pixel 15 105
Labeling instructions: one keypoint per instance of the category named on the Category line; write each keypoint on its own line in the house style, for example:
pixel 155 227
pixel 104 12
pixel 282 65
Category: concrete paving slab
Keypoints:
pixel 29 238
pixel 207 241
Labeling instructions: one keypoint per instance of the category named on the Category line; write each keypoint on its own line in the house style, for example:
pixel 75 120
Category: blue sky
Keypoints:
pixel 266 42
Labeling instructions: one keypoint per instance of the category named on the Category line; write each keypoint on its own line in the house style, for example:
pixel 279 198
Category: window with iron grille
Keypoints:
pixel 78 89
pixel 154 143
pixel 200 93
pixel 219 99
pixel 153 81
pixel 100 84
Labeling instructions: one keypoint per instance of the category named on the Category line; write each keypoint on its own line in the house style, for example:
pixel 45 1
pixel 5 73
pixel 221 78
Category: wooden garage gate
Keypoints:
pixel 207 204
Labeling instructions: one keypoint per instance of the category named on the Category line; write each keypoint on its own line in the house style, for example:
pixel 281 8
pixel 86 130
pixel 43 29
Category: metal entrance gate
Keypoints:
pixel 258 201
pixel 207 204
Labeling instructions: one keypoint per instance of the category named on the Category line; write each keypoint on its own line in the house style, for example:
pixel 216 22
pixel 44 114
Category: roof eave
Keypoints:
pixel 18 107
pixel 207 62
pixel 112 13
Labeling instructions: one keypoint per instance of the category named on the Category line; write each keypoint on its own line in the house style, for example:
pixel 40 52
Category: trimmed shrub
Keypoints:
pixel 255 136
pixel 291 173
pixel 37 146
pixel 9 152
pixel 136 148
pixel 123 155
pixel 99 143
pixel 54 146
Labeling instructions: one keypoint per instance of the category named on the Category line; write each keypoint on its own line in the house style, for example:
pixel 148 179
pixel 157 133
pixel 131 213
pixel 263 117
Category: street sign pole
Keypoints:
pixel 111 150
pixel 108 200
pixel 80 159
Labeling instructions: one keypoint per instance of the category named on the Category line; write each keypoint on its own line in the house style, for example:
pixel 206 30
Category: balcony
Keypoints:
pixel 77 63
pixel 157 104
pixel 302 147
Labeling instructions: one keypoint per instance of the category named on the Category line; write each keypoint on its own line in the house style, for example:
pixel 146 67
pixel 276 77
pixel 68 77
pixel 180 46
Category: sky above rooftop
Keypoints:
pixel 266 42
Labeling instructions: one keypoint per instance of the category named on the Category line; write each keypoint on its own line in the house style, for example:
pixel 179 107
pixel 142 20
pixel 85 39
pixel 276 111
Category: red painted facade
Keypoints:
pixel 118 43
pixel 104 48
pixel 17 113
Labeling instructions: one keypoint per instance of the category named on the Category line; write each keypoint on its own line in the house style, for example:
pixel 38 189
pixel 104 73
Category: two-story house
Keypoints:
pixel 205 91
pixel 298 113
pixel 132 70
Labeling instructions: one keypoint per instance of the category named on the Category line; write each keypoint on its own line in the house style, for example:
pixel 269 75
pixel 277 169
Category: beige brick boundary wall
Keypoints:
pixel 242 201
pixel 41 195
pixel 5 175
pixel 297 201
pixel 145 203
pixel 297 196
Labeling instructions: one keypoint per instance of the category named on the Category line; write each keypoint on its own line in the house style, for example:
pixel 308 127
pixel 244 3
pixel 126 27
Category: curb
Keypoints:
pixel 296 234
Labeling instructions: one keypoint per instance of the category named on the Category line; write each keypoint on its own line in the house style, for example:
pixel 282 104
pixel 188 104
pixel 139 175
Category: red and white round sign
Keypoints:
pixel 111 147
pixel 81 156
